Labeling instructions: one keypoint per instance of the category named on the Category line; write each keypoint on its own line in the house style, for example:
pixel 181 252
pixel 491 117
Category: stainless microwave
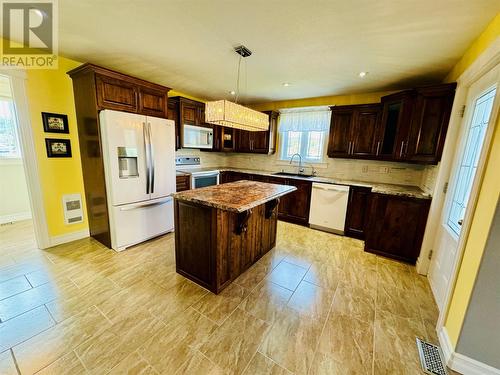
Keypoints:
pixel 197 137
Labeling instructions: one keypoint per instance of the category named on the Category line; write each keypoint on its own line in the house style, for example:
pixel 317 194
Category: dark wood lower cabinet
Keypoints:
pixel 295 208
pixel 182 182
pixel 230 176
pixel 395 226
pixel 357 212
pixel 212 251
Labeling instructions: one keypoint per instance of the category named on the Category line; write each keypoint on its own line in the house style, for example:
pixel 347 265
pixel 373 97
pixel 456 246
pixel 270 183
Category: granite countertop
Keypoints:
pixel 391 189
pixel 236 196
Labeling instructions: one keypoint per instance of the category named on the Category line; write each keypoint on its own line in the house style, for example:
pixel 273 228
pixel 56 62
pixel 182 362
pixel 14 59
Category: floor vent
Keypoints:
pixel 431 358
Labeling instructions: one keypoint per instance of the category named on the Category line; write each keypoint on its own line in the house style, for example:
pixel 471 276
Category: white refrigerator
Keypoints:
pixel 139 165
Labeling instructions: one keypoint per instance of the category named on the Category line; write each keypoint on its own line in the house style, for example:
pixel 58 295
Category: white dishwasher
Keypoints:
pixel 328 207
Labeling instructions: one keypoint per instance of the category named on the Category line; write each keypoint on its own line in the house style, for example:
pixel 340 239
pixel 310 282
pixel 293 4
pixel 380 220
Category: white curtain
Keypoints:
pixel 305 119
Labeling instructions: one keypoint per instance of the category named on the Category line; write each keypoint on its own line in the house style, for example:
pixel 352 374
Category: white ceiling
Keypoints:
pixel 317 46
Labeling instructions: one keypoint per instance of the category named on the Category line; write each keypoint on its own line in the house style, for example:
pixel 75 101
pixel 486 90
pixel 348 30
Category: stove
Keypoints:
pixel 200 177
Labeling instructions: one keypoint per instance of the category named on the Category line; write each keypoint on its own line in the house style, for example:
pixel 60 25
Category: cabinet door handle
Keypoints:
pixel 378 148
pixel 401 149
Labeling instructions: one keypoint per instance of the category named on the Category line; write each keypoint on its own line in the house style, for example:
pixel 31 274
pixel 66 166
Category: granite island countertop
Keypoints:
pixel 382 188
pixel 236 196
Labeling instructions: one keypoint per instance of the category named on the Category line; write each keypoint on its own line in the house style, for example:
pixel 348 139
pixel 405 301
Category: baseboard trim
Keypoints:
pixel 68 237
pixel 15 217
pixel 460 362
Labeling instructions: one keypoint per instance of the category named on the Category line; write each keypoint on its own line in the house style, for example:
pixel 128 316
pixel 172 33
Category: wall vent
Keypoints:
pixel 72 206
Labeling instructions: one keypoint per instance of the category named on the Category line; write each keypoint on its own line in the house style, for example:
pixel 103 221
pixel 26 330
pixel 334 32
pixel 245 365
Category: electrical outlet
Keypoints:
pixel 384 170
pixel 364 169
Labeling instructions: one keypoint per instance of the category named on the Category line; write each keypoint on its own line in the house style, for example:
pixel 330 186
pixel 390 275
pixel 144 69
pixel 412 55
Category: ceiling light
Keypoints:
pixel 363 74
pixel 232 92
pixel 286 84
pixel 233 115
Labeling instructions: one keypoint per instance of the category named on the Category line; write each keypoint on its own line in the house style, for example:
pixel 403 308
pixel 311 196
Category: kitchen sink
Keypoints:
pixel 293 174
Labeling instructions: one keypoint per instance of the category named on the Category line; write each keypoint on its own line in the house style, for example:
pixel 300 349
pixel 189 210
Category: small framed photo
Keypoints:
pixel 58 148
pixel 55 123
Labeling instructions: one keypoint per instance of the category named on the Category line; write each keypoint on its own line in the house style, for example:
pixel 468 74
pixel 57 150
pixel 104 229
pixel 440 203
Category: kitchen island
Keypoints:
pixel 221 230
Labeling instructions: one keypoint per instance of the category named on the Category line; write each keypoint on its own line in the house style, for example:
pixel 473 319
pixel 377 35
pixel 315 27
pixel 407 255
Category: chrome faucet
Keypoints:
pixel 301 169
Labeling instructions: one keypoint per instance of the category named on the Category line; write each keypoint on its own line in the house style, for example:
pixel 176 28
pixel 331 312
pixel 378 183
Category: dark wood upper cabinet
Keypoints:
pixel 357 212
pixel 153 102
pixel 394 126
pixel 224 139
pixel 395 226
pixel 429 123
pixel 341 124
pixel 261 142
pixel 118 94
pixel 125 93
pixel 243 141
pixel 365 126
pixel 407 126
pixel 353 131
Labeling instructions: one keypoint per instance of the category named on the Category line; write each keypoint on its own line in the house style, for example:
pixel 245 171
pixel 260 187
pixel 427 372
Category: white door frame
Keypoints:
pixel 483 64
pixel 30 164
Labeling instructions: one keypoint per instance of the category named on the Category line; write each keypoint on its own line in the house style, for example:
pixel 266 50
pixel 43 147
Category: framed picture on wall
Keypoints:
pixel 55 123
pixel 58 148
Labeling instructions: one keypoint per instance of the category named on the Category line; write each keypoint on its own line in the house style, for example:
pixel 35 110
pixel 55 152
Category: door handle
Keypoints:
pixel 460 222
pixel 146 153
pixel 130 207
pixel 378 148
pixel 152 160
pixel 401 149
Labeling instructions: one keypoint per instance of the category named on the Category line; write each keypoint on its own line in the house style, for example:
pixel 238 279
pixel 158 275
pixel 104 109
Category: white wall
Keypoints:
pixel 14 199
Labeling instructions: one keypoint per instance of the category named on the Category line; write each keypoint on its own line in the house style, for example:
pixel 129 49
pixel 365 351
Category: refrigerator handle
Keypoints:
pixel 146 151
pixel 152 159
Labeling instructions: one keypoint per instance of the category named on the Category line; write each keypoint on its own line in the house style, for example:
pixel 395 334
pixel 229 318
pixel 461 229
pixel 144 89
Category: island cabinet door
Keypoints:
pixel 246 245
pixel 194 243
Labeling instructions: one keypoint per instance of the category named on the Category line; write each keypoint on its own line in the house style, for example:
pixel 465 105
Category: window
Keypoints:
pixel 9 142
pixel 304 132
pixel 470 158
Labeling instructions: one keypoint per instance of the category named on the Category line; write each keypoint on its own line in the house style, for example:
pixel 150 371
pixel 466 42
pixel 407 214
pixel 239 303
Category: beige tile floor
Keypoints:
pixel 316 304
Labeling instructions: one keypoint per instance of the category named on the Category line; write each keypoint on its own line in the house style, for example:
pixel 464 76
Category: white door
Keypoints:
pixel 481 100
pixel 125 161
pixel 162 136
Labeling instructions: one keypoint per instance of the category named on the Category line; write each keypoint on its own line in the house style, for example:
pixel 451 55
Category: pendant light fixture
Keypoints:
pixel 233 115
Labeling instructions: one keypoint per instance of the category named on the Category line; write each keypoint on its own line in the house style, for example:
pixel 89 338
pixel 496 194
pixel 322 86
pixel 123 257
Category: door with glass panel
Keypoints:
pixel 481 101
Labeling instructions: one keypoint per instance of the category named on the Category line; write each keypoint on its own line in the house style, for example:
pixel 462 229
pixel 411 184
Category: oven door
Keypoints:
pixel 200 180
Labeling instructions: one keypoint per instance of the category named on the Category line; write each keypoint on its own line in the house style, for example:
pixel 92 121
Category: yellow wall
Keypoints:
pixel 178 93
pixel 52 91
pixel 373 97
pixel 489 34
pixel 484 210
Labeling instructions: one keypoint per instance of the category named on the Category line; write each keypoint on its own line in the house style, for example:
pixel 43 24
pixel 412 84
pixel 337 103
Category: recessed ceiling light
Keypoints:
pixel 232 92
pixel 363 74
pixel 286 84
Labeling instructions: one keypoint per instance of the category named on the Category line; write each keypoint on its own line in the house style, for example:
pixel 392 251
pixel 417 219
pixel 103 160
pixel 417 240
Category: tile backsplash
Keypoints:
pixel 345 169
